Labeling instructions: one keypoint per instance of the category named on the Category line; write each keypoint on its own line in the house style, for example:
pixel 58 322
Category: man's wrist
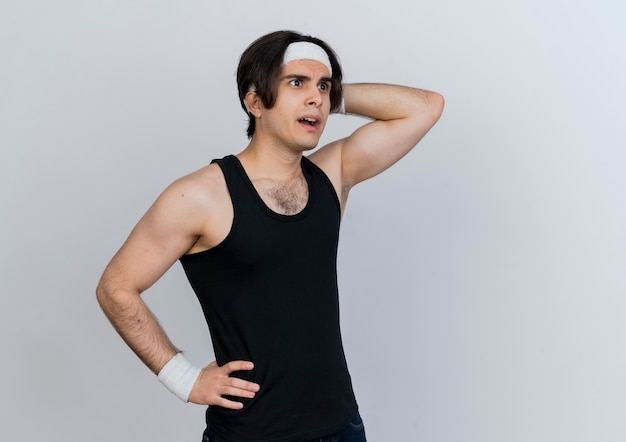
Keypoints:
pixel 342 107
pixel 179 376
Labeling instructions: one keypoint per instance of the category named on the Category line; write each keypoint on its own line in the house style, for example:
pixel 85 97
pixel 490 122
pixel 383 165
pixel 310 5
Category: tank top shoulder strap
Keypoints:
pixel 321 179
pixel 232 175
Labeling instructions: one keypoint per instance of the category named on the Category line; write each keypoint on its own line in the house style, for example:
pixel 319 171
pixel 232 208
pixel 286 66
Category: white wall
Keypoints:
pixel 482 277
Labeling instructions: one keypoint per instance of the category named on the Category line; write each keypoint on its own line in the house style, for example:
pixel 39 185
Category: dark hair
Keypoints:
pixel 261 63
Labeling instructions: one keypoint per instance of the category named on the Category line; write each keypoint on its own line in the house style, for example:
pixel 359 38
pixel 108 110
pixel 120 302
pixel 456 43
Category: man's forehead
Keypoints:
pixel 307 68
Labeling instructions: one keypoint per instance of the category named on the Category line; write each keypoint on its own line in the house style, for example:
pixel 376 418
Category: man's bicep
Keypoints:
pixel 160 237
pixel 376 146
pixel 373 148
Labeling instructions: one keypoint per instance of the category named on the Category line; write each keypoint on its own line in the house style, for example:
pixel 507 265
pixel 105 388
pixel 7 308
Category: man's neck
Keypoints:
pixel 265 160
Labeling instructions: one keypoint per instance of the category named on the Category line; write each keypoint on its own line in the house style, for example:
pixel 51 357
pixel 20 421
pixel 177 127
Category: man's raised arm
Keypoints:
pixel 402 116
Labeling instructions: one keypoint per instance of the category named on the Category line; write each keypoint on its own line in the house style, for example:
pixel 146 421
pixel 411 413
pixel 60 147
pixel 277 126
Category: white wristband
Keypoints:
pixel 179 376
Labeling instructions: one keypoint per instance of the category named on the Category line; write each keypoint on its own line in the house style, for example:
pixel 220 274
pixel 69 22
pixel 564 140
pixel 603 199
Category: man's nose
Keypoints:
pixel 315 99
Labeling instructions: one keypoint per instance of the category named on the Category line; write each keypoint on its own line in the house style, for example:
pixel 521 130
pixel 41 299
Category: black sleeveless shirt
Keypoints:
pixel 269 295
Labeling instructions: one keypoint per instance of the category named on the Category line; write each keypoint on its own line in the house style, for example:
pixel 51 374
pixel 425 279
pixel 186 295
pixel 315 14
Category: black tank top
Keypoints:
pixel 269 295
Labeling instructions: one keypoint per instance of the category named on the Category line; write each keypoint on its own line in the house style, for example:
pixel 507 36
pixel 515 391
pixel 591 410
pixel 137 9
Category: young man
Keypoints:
pixel 257 235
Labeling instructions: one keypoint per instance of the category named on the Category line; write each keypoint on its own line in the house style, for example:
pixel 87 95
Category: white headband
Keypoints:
pixel 304 50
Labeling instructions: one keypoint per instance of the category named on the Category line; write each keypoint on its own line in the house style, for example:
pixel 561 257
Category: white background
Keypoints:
pixel 482 278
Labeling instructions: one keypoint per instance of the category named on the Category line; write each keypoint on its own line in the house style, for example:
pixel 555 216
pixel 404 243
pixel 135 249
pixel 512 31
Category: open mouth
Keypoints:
pixel 309 121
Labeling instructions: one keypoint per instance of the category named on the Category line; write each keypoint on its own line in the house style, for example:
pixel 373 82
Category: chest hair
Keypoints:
pixel 284 197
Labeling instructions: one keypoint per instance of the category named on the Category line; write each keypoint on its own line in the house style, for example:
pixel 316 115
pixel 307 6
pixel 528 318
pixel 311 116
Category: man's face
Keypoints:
pixel 302 105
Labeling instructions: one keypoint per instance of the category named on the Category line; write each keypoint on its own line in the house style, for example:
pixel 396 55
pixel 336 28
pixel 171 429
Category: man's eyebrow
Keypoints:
pixel 305 78
pixel 295 77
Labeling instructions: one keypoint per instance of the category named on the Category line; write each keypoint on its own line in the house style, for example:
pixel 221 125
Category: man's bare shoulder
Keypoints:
pixel 203 200
pixel 328 157
pixel 191 199
pixel 205 185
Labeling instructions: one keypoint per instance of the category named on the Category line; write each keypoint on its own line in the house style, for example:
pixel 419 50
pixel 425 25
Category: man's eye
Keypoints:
pixel 324 87
pixel 295 82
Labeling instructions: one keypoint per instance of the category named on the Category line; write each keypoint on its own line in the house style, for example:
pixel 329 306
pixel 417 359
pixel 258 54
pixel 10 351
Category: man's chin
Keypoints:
pixel 309 148
pixel 310 145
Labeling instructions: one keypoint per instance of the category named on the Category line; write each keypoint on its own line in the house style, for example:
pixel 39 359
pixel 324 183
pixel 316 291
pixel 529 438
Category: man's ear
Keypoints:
pixel 253 103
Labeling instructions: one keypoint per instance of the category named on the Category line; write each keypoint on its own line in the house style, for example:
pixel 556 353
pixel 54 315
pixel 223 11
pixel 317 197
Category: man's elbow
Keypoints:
pixel 109 294
pixel 436 103
pixel 426 107
pixel 103 295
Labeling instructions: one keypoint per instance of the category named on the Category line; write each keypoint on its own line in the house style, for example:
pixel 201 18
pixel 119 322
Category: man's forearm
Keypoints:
pixel 388 102
pixel 137 326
